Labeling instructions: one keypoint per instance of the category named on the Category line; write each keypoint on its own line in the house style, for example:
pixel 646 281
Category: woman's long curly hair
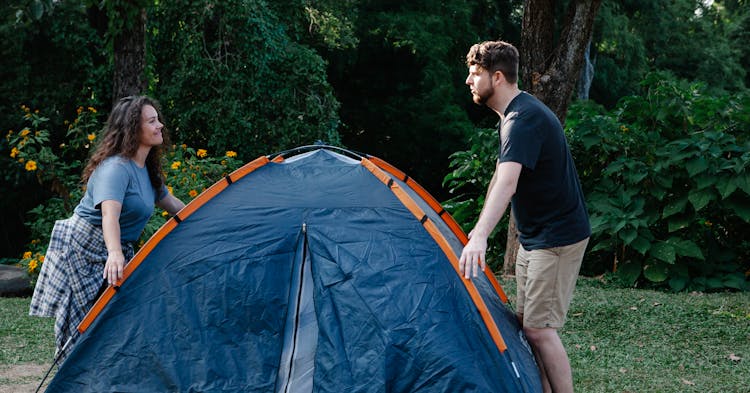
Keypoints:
pixel 122 137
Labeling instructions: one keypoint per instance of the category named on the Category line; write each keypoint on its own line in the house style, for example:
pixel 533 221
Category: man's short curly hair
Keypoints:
pixel 495 56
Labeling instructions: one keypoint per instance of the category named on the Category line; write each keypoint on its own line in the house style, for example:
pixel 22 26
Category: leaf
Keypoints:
pixel 628 235
pixel 602 245
pixel 743 182
pixel 700 198
pixel 677 223
pixel 656 272
pixel 664 181
pixel 696 166
pixel 678 283
pixel 629 272
pixel 736 281
pixel 37 9
pixel 725 186
pixel 686 248
pixel 662 251
pixel 714 283
pixel 641 244
pixel 674 207
pixel 705 180
pixel 591 139
pixel 741 207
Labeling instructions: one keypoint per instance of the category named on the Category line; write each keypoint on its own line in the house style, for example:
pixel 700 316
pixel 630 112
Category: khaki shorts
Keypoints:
pixel 546 279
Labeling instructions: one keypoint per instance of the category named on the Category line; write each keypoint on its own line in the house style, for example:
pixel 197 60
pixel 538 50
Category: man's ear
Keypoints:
pixel 498 76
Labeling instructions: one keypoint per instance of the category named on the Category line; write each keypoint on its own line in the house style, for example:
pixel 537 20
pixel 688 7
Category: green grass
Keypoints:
pixel 24 339
pixel 618 340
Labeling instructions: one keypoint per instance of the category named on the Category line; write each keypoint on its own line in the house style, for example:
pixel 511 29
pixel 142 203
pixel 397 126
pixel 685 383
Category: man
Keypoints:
pixel 535 171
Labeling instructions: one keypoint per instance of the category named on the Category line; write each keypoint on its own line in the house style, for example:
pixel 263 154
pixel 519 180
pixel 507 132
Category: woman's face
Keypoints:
pixel 151 127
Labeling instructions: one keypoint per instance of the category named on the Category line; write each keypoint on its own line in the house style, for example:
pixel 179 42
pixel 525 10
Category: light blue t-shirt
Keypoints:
pixel 120 179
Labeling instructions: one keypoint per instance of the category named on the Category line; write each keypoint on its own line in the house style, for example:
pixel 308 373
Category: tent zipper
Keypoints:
pixel 298 307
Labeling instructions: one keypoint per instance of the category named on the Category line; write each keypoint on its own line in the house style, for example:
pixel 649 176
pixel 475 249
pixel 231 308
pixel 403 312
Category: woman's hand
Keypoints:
pixel 114 267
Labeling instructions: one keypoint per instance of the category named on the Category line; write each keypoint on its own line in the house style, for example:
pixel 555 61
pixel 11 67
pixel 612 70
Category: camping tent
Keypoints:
pixel 312 270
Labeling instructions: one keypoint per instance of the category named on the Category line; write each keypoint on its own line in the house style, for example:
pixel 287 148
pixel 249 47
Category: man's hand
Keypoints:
pixel 472 257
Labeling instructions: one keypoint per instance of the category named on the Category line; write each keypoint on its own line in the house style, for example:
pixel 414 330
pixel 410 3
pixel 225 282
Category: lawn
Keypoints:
pixel 619 340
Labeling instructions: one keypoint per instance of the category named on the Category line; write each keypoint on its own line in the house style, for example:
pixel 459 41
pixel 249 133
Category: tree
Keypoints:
pixel 550 70
pixel 127 26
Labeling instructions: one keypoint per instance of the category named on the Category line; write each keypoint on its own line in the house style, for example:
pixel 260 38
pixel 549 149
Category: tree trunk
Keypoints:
pixel 129 51
pixel 550 71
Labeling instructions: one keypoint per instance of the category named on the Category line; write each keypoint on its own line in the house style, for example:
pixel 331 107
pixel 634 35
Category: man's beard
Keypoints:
pixel 481 99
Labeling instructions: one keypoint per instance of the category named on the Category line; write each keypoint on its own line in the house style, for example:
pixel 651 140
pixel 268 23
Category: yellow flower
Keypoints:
pixel 171 190
pixel 41 258
pixel 79 110
pixel 193 193
pixel 32 265
pixel 10 132
pixel 231 154
pixel 164 213
pixel 27 116
pixel 184 146
pixel 92 109
pixel 31 165
pixel 27 255
pixel 14 152
pixel 201 153
pixel 25 108
pixel 176 165
pixel 25 132
pixel 91 137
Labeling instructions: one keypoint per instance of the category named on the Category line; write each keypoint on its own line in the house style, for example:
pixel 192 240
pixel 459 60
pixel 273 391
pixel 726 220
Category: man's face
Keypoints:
pixel 480 83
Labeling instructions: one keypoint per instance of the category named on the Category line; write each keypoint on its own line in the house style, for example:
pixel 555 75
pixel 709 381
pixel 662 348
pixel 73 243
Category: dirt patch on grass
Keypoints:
pixel 23 378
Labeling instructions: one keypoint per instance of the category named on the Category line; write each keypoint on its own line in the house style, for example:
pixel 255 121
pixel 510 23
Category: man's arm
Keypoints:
pixel 501 189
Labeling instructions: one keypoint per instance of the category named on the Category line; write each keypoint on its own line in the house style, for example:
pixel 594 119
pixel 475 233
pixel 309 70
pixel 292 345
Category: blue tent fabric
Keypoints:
pixel 306 275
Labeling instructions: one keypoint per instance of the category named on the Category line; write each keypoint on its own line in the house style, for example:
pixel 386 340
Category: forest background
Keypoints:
pixel 658 125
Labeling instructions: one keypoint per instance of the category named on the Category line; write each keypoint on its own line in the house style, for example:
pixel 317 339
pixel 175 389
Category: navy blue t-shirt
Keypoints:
pixel 549 207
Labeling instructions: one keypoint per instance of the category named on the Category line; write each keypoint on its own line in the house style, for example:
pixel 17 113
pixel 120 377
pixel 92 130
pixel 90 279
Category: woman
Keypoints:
pixel 123 183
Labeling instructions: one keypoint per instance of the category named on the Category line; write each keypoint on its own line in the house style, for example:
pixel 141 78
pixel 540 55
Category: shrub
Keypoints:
pixel 667 185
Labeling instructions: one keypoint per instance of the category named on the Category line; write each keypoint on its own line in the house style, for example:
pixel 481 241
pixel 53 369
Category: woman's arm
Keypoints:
pixel 171 204
pixel 111 228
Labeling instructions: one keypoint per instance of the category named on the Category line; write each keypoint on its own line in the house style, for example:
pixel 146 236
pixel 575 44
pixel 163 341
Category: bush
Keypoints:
pixel 667 185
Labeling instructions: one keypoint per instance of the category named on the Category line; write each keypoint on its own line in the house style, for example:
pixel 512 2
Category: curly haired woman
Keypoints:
pixel 90 249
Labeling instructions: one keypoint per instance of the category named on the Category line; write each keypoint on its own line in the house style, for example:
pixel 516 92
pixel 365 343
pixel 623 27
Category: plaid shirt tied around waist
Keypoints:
pixel 71 277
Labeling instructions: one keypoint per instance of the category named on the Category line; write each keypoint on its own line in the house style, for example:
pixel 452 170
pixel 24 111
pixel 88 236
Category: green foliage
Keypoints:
pixel 702 41
pixel 188 172
pixel 667 184
pixel 55 168
pixel 402 86
pixel 468 182
pixel 230 78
